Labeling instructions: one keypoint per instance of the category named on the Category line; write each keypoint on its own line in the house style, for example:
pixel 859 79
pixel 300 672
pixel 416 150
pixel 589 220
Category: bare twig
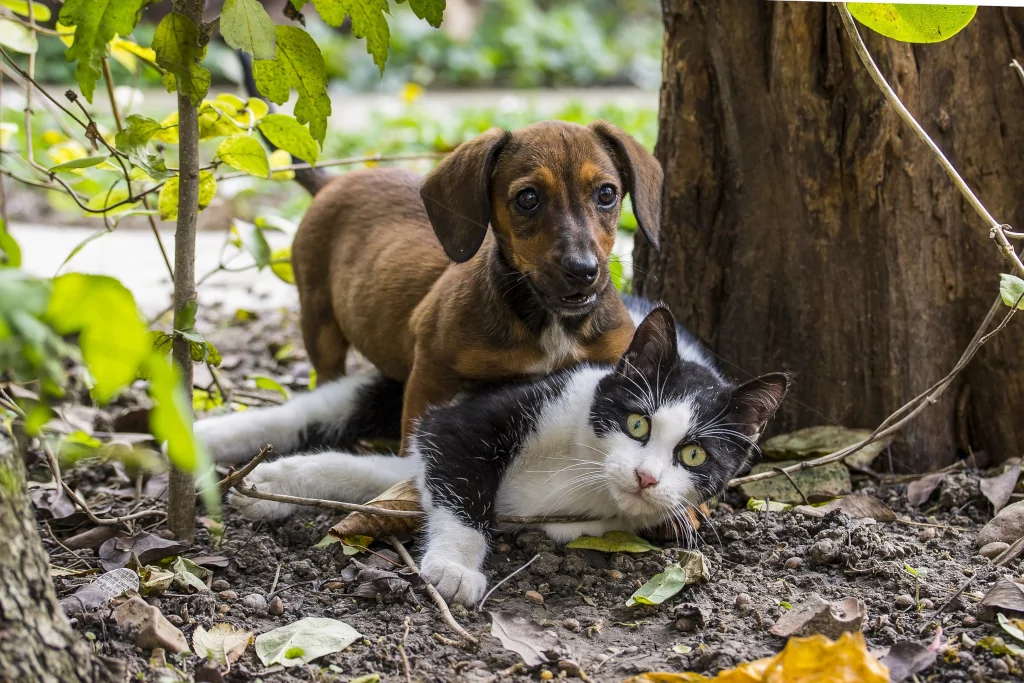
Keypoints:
pixel 1010 553
pixel 480 607
pixel 401 651
pixel 370 158
pixel 325 504
pixel 792 483
pixel 277 576
pixel 234 477
pixel 438 600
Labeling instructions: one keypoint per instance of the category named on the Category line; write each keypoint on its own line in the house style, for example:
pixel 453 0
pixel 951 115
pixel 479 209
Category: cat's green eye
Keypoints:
pixel 638 426
pixel 692 455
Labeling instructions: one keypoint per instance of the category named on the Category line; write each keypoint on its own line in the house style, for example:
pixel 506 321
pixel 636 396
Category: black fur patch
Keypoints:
pixel 378 415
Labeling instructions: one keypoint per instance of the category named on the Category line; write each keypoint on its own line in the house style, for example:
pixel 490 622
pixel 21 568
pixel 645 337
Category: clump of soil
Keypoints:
pixel 760 563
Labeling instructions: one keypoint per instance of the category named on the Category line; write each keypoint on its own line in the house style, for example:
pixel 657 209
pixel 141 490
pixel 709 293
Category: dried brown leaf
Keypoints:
pixel 223 643
pixel 906 659
pixel 525 637
pixel 817 615
pixel 999 488
pixel 1006 596
pixel 401 496
pixel 919 491
pixel 148 548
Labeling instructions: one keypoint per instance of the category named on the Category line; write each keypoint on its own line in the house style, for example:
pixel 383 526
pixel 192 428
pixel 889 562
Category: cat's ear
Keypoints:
pixel 754 403
pixel 653 345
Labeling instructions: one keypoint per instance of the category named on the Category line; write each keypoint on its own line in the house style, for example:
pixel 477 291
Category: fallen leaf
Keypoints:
pixel 812 442
pixel 152 628
pixel 761 505
pixel 1005 596
pixel 368 678
pixel 304 640
pixel 401 496
pixel 214 561
pixel 1010 627
pixel 223 643
pixel 815 659
pixel 154 580
pixel 660 587
pixel 682 649
pixel 54 501
pixel 187 574
pixel 148 548
pixel 93 538
pixel 921 490
pixel 613 542
pixel 353 545
pixel 525 637
pixel 817 615
pixel 907 658
pixel 999 647
pixel 696 566
pixel 107 587
pixel 818 484
pixel 855 506
pixel 999 488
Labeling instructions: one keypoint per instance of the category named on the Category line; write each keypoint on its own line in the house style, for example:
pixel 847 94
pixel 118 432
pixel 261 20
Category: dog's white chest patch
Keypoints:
pixel 558 347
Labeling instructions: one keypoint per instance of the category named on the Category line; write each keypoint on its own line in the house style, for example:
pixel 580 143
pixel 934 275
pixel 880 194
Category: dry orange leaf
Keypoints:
pixel 401 496
pixel 815 659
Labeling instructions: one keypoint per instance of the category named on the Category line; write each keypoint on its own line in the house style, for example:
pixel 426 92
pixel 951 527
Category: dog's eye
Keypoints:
pixel 607 196
pixel 527 200
pixel 638 426
pixel 692 455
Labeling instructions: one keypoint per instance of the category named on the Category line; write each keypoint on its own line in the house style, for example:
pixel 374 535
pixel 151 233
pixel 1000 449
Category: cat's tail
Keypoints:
pixel 334 416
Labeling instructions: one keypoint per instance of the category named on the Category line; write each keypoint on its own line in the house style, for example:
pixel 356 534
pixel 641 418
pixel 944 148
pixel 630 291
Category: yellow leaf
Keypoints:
pixel 127 53
pixel 64 152
pixel 167 201
pixel 281 264
pixel 411 92
pixel 52 137
pixel 67 33
pixel 168 130
pixel 99 204
pixel 231 100
pixel 280 158
pixel 40 11
pixel 815 659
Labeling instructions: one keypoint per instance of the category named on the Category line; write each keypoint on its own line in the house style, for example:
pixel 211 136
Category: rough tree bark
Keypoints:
pixel 806 229
pixel 36 642
pixel 181 489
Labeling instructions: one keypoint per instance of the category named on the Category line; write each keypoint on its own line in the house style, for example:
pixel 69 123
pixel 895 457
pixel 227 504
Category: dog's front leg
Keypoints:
pixel 428 385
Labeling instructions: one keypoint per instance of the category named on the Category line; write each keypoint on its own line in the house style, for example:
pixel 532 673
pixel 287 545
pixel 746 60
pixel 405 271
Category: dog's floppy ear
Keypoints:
pixel 642 174
pixel 457 194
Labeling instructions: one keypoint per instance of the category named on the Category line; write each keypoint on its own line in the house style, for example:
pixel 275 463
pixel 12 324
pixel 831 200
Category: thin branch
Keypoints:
pixel 343 162
pixel 234 477
pixel 438 599
pixel 995 227
pixel 326 504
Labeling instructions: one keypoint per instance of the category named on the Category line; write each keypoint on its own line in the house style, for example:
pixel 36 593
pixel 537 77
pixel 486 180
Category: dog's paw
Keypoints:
pixel 453 581
pixel 266 478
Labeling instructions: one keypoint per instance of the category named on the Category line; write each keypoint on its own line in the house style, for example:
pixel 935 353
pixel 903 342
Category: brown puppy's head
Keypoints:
pixel 552 192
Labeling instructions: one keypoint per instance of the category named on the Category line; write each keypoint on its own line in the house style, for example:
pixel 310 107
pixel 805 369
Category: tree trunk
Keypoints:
pixel 36 642
pixel 181 486
pixel 806 229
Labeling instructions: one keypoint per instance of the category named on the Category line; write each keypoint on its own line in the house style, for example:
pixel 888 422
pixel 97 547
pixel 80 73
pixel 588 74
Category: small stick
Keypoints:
pixel 1010 553
pixel 438 600
pixel 955 596
pixel 480 607
pixel 277 575
pixel 326 504
pixel 234 477
pixel 401 651
pixel 791 481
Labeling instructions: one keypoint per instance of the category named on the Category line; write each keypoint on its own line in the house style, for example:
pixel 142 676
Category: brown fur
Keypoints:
pixel 373 261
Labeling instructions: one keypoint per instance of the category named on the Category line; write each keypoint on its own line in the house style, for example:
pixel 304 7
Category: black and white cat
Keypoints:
pixel 630 446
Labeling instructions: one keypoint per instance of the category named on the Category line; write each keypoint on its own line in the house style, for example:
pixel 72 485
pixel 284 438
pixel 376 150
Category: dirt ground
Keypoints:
pixel 760 562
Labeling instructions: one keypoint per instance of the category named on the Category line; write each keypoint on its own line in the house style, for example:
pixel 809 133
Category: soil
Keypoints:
pixel 725 621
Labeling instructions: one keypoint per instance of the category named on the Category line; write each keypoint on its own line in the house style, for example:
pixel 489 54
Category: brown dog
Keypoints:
pixel 373 260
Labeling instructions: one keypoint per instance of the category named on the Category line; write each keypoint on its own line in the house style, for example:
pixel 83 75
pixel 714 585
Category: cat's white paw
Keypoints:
pixel 229 438
pixel 267 478
pixel 454 582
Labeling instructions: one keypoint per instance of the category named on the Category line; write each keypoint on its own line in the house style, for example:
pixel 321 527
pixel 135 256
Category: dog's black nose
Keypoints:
pixel 580 269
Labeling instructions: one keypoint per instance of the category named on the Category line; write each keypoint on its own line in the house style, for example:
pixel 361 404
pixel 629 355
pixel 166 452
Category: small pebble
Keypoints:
pixel 503 548
pixel 255 602
pixel 534 597
pixel 630 650
pixel 175 619
pixel 794 562
pixel 571 624
pixel 927 534
pixel 219 585
pixel 546 675
pixel 824 551
pixel 614 575
pixel 927 604
pixel 993 550
pixel 1000 667
pixel 904 601
pixel 276 607
pixel 743 601
pixel 228 596
pixel 686 625
pixel 166 534
pixel 570 667
pixel 969 621
pixel 334 585
pixel 601 658
pixel 223 609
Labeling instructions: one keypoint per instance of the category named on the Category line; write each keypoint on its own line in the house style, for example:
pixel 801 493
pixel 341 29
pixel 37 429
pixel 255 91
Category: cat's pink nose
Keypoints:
pixel 645 480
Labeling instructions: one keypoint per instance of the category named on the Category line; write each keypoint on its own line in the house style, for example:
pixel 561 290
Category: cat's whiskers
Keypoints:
pixel 568 487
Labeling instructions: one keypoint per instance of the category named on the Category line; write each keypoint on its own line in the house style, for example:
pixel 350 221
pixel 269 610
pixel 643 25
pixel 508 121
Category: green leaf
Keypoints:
pixel 10 252
pixel 109 202
pixel 430 10
pixel 281 264
pixel 1011 289
pixel 367 22
pixel 762 505
pixel 270 384
pixel 913 23
pixel 287 133
pixel 1010 627
pixel 17 37
pixel 245 25
pixel 78 247
pixel 40 11
pixel 254 242
pixel 134 141
pixel 304 640
pixel 187 574
pixel 298 64
pixel 170 420
pixel 96 23
pixel 84 162
pixel 613 542
pixel 176 43
pixel 245 153
pixel 185 319
pixel 167 200
pixel 660 587
pixel 112 335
